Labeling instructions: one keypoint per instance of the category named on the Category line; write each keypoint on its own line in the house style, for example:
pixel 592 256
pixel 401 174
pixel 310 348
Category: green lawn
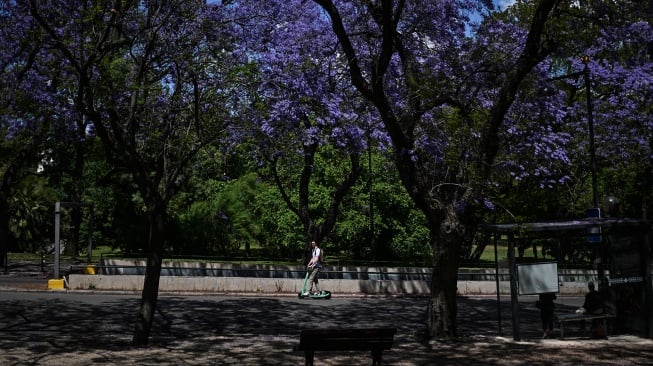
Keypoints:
pixel 487 258
pixel 35 257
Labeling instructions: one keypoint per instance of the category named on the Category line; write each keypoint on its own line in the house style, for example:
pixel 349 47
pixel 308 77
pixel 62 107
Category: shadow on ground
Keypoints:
pixel 55 330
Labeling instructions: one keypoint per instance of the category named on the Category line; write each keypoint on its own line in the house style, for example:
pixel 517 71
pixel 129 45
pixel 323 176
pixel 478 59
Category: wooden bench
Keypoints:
pixel 346 339
pixel 566 318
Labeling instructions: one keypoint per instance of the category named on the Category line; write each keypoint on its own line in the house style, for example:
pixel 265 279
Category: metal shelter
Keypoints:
pixel 623 266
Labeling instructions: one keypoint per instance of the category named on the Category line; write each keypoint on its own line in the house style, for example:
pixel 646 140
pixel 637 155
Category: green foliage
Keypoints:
pixel 400 232
pixel 282 232
pixel 235 204
pixel 129 223
pixel 31 222
pixel 624 189
pixel 204 228
pixel 401 228
pixel 411 240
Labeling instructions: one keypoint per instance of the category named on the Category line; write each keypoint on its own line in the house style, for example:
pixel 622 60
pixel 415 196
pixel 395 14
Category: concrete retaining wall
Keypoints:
pixel 199 277
pixel 290 286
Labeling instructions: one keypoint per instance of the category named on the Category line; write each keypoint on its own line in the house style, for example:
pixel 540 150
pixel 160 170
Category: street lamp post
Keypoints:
pixel 590 122
pixel 371 203
pixel 594 232
pixel 595 235
pixel 590 126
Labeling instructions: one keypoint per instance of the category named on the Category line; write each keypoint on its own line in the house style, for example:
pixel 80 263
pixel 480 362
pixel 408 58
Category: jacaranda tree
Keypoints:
pixel 30 120
pixel 601 65
pixel 302 102
pixel 154 81
pixel 411 62
pixel 453 105
pixel 441 96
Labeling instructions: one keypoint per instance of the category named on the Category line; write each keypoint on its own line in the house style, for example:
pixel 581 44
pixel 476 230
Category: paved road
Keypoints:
pixel 73 328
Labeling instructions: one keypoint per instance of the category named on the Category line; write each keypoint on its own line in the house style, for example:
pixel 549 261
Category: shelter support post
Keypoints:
pixel 514 299
pixel 648 282
pixel 496 277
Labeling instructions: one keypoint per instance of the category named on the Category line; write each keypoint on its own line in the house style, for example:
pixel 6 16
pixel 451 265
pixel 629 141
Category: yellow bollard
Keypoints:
pixel 55 285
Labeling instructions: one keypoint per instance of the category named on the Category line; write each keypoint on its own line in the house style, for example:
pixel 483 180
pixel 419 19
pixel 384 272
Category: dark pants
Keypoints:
pixel 547 320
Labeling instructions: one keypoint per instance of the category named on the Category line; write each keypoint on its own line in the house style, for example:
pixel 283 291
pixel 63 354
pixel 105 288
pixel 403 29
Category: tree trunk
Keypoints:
pixel 10 178
pixel 150 292
pixel 4 232
pixel 442 308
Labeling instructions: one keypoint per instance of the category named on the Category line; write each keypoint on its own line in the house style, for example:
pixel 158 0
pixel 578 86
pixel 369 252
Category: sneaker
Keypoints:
pixel 305 293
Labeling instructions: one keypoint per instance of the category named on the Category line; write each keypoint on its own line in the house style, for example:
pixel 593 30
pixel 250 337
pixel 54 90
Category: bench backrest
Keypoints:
pixel 333 339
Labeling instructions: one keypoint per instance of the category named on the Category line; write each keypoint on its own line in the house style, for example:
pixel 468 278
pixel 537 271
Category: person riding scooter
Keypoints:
pixel 315 264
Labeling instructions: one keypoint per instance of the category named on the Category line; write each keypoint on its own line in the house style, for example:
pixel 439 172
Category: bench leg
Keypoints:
pixel 376 357
pixel 309 355
pixel 562 330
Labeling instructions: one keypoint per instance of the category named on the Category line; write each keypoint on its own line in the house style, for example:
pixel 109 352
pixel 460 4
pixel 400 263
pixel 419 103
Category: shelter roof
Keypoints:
pixel 569 225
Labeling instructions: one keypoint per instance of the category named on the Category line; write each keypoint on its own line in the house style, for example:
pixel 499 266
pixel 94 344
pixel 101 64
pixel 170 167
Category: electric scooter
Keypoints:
pixel 324 294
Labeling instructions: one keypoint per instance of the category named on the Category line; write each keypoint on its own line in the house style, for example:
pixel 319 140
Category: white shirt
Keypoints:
pixel 316 257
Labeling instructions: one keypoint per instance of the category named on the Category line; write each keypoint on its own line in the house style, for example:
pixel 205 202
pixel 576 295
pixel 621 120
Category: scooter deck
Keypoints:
pixel 324 294
pixel 321 295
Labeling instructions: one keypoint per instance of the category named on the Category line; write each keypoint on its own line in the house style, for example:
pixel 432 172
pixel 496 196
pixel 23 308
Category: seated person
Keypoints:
pixel 594 305
pixel 593 301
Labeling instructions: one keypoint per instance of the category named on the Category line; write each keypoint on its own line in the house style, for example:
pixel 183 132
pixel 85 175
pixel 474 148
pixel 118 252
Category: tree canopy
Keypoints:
pixel 191 112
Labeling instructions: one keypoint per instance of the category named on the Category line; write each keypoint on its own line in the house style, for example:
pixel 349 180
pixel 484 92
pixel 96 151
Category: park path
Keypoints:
pixel 46 328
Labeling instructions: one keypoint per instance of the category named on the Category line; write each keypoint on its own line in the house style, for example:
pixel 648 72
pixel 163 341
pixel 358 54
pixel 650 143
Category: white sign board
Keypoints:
pixel 538 278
